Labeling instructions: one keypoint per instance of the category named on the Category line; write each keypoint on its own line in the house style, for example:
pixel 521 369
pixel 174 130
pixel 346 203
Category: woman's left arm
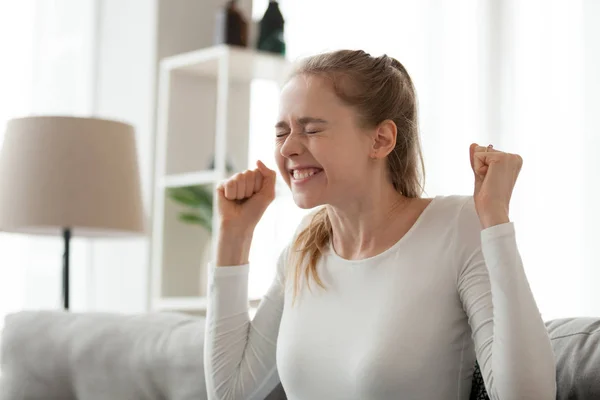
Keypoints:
pixel 511 340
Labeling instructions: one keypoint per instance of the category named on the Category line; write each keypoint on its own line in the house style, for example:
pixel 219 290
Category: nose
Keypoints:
pixel 292 146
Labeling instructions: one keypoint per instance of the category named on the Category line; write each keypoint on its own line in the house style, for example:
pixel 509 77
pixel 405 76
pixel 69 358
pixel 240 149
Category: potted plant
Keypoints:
pixel 198 203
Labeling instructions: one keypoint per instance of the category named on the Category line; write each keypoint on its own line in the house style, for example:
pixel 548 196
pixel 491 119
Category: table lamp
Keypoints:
pixel 70 176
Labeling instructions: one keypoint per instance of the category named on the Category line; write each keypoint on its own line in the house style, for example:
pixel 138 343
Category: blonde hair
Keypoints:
pixel 379 89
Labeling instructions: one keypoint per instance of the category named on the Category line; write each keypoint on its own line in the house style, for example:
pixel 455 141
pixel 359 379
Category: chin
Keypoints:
pixel 305 202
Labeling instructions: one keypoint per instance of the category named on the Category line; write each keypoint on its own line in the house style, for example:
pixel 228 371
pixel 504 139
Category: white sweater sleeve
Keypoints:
pixel 511 341
pixel 239 354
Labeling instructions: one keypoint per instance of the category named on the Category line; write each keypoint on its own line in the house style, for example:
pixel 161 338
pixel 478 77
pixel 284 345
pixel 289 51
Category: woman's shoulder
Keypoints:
pixel 454 207
pixel 457 214
pixel 454 226
pixel 456 200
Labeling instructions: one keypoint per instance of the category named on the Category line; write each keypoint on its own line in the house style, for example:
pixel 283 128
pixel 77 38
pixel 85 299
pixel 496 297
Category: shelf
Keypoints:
pixel 182 304
pixel 244 64
pixel 189 179
pixel 210 88
pixel 189 303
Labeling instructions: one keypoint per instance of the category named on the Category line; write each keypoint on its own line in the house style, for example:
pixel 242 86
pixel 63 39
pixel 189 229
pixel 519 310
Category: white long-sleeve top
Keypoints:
pixel 405 324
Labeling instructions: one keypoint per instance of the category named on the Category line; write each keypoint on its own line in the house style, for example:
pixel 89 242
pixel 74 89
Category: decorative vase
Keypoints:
pixel 231 26
pixel 271 27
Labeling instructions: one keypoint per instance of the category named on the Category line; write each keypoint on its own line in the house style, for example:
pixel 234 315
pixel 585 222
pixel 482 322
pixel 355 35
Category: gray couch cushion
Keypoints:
pixel 99 356
pixel 576 343
pixel 89 356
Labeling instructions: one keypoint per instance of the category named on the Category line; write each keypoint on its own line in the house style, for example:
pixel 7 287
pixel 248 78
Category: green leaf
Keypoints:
pixel 199 201
pixel 192 196
pixel 196 219
pixel 205 213
pixel 190 218
pixel 203 194
pixel 183 196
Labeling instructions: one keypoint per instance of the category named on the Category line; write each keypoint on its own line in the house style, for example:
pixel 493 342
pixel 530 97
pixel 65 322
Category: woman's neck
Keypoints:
pixel 364 227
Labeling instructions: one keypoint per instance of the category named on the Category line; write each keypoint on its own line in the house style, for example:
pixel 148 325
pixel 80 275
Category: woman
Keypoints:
pixel 382 294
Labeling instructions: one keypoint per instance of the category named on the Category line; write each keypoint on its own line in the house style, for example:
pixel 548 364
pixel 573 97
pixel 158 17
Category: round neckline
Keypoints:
pixel 392 248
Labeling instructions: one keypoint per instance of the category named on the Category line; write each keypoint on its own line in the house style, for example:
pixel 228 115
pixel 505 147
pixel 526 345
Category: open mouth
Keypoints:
pixel 304 174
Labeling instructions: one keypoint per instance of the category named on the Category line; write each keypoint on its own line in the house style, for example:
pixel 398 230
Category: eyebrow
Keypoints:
pixel 302 121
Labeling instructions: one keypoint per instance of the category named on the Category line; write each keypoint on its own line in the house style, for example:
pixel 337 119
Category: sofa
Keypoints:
pixel 158 356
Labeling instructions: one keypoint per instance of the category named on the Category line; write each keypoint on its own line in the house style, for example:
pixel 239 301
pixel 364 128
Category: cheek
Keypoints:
pixel 346 159
pixel 341 168
pixel 280 160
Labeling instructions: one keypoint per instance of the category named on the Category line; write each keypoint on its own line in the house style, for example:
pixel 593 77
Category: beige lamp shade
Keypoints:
pixel 68 172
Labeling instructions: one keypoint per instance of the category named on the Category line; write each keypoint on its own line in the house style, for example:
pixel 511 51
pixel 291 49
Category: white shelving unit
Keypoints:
pixel 202 118
pixel 189 178
pixel 194 304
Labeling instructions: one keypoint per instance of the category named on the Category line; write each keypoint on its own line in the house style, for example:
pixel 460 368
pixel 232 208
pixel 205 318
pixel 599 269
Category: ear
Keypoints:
pixel 384 139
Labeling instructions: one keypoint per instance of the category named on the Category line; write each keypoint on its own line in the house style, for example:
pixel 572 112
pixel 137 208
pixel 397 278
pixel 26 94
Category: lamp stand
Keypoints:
pixel 67 239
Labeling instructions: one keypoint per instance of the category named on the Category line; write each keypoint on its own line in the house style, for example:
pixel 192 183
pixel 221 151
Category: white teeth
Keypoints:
pixel 304 173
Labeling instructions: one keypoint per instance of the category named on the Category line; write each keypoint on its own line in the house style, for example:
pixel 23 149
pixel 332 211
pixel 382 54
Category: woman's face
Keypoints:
pixel 321 151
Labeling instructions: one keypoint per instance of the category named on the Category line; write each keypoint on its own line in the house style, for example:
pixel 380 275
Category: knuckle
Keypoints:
pixel 519 160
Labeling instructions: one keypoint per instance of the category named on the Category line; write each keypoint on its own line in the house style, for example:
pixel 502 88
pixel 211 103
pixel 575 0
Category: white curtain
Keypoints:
pixel 16 52
pixel 45 54
pixel 519 74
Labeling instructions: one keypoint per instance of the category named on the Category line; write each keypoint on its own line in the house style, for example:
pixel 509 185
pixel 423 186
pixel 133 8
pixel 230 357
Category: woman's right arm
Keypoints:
pixel 239 354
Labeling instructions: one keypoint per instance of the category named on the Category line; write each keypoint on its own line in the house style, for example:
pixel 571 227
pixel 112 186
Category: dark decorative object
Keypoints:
pixel 270 38
pixel 231 26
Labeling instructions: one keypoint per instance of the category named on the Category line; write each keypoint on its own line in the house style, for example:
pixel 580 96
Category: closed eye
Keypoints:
pixel 312 129
pixel 281 134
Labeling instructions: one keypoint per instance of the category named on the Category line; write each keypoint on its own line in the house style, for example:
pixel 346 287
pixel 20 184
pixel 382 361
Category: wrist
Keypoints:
pixel 233 229
pixel 233 247
pixel 490 220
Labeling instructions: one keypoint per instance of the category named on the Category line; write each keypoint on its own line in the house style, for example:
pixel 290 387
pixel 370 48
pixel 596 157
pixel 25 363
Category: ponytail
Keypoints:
pixel 309 246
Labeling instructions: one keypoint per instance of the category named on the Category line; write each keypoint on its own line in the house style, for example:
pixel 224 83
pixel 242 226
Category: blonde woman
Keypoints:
pixel 382 294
